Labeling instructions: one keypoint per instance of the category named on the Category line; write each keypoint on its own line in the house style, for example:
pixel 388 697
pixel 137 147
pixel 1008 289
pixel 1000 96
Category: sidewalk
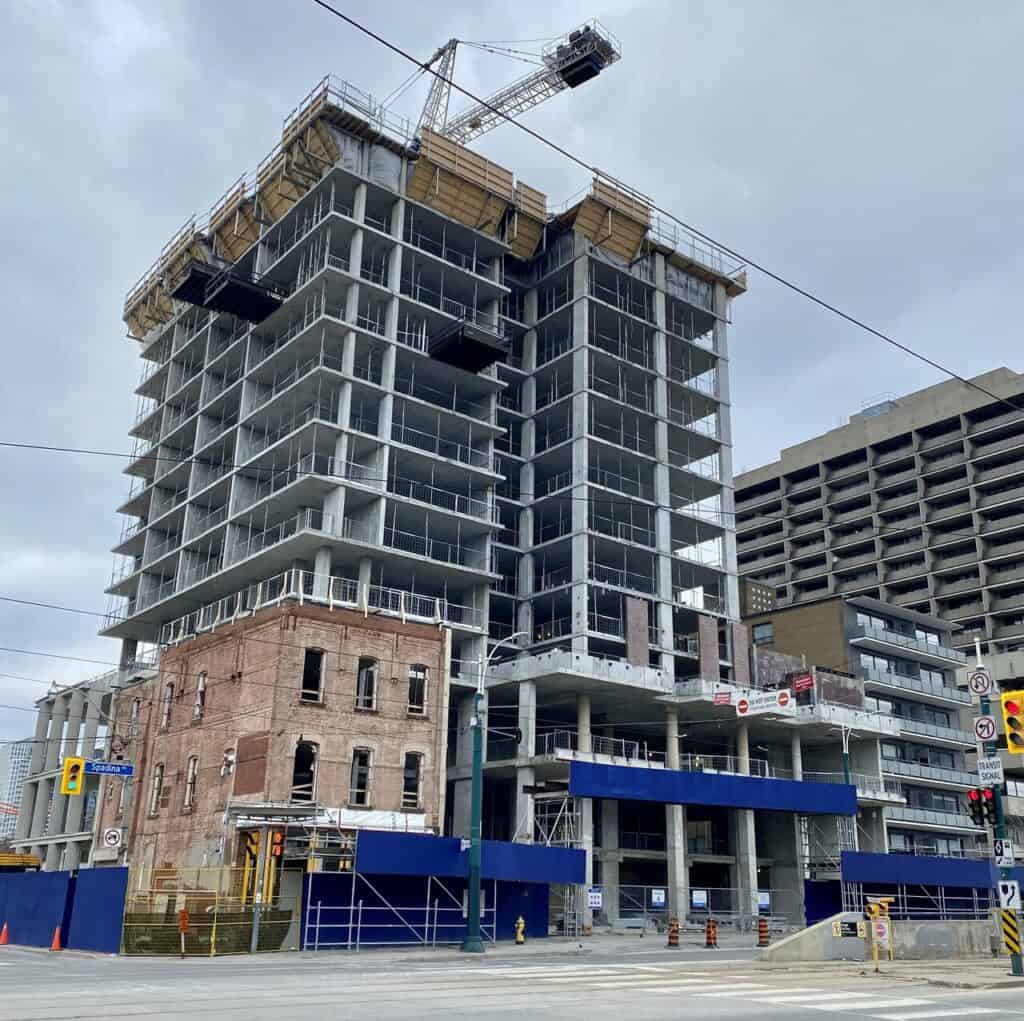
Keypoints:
pixel 969 973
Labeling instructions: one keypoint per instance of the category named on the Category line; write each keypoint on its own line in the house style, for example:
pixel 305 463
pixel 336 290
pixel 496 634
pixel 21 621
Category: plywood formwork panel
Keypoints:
pixel 456 197
pixel 613 219
pixel 526 225
pixel 233 224
pixel 469 165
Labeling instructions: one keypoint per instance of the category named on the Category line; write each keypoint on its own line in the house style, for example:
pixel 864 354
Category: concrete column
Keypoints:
pixel 522 821
pixel 611 857
pixel 743 748
pixel 359 203
pixel 746 837
pixel 39 747
pixel 25 811
pixel 76 710
pixel 583 741
pixel 40 807
pixel 52 861
pixel 365 574
pixel 797 755
pixel 322 565
pixel 675 830
pixel 55 733
pixel 73 857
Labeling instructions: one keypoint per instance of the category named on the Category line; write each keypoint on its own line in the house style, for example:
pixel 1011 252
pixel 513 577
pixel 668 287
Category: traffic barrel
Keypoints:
pixel 711 935
pixel 762 932
pixel 673 932
pixel 3 936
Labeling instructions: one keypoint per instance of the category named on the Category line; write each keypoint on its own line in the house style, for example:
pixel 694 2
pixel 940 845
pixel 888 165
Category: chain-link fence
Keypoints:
pixel 220 911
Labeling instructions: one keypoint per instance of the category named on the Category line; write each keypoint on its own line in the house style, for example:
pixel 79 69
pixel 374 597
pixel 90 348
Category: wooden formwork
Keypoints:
pixel 233 224
pixel 612 219
pixel 461 184
pixel 526 222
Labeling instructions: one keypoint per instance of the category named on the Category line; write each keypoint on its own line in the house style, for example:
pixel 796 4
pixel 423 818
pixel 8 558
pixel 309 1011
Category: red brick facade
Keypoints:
pixel 243 732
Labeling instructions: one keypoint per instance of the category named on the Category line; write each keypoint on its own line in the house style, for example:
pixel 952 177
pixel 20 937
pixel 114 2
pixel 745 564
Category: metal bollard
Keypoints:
pixel 673 933
pixel 762 932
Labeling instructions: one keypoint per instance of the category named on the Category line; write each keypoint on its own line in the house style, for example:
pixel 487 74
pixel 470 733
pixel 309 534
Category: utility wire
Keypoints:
pixel 739 256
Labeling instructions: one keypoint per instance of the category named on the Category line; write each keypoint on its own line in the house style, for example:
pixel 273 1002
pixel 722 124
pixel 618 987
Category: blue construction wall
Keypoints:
pixel 382 852
pixel 822 899
pixel 400 908
pixel 33 904
pixel 97 910
pixel 915 869
pixel 672 787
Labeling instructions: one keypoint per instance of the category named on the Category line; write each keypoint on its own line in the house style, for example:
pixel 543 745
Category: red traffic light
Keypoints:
pixel 974 794
pixel 987 793
pixel 1012 707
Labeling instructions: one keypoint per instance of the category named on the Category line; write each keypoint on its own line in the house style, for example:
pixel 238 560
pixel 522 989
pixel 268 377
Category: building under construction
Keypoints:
pixel 386 375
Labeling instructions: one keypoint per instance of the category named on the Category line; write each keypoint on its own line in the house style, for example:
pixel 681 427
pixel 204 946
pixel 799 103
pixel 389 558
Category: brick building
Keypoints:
pixel 296 705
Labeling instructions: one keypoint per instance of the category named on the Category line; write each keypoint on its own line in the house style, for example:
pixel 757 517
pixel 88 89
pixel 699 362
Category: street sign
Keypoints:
pixel 985 728
pixel 1009 894
pixel 722 698
pixel 110 768
pixel 699 899
pixel 880 931
pixel 804 682
pixel 862 930
pixel 990 771
pixel 757 703
pixel 657 898
pixel 979 681
pixel 1002 851
pixel 594 897
pixel 112 837
pixel 847 930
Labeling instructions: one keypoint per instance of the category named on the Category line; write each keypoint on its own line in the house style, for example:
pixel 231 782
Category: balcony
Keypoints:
pixel 883 639
pixel 1002 549
pixel 928 817
pixel 898 683
pixel 437 496
pixel 851 515
pixel 1012 494
pixel 960 585
pixel 435 549
pixel 860 581
pixel 1006 443
pixel 950 486
pixel 930 442
pixel 909 571
pixel 437 445
pixel 959 560
pixel 996 524
pixel 951 735
pixel 805 527
pixel 566 742
pixel 945 461
pixel 603 574
pixel 921 771
pixel 990 423
pixel 604 624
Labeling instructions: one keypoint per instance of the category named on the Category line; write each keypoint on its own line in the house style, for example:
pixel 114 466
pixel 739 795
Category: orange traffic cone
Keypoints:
pixel 3 936
pixel 55 945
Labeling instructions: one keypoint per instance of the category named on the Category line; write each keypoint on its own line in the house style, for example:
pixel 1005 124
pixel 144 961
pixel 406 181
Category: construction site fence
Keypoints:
pixel 222 913
pixel 627 906
pixel 923 903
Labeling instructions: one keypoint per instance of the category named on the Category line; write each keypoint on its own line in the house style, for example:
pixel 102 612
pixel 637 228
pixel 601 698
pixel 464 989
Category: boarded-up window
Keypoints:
pixel 251 764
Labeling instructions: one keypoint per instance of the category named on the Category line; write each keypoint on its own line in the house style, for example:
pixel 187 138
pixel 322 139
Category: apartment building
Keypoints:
pixel 15 757
pixel 915 501
pixel 328 719
pixel 909 671
pixel 57 828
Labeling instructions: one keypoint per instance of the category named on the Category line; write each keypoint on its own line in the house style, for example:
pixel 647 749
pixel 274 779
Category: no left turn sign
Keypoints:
pixel 985 728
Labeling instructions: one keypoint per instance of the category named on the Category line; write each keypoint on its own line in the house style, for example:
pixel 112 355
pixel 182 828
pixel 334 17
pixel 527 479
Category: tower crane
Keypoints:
pixel 565 63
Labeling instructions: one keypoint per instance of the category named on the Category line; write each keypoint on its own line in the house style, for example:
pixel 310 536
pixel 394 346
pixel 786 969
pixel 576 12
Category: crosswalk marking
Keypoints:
pixel 927 1015
pixel 687 984
pixel 871 1004
pixel 733 991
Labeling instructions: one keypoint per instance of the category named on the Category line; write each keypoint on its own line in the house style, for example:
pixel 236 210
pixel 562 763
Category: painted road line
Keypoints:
pixel 738 993
pixel 872 1005
pixel 926 1015
pixel 682 984
pixel 808 996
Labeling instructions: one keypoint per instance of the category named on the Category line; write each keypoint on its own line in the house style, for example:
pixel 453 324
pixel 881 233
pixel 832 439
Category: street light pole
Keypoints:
pixel 473 944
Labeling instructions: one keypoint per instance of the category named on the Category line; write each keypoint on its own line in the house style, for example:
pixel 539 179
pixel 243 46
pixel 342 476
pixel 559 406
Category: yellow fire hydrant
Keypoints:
pixel 520 931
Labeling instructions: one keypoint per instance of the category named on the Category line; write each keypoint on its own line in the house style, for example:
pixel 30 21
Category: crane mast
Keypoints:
pixel 566 63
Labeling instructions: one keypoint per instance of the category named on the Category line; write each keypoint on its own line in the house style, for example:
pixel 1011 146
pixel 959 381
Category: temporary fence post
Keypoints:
pixel 257 905
pixel 351 908
pixel 316 933
pixel 213 928
pixel 359 925
pixel 435 923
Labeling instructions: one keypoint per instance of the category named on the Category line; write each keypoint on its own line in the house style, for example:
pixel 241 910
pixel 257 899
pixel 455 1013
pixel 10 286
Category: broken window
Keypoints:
pixel 359 787
pixel 411 780
pixel 191 775
pixel 165 706
pixel 312 676
pixel 366 683
pixel 227 765
pixel 157 789
pixel 304 772
pixel 200 703
pixel 418 689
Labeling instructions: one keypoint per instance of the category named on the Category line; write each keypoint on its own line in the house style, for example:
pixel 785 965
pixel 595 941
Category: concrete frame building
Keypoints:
pixel 15 758
pixel 57 828
pixel 909 671
pixel 916 501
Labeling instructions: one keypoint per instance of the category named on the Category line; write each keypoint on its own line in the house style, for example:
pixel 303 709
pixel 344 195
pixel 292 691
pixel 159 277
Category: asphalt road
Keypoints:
pixel 35 986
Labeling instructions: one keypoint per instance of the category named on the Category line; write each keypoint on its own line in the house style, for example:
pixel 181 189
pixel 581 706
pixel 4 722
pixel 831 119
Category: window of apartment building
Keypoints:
pixel 411 780
pixel 165 706
pixel 879 705
pixel 191 776
pixel 366 683
pixel 870 620
pixel 227 763
pixel 417 689
pixel 133 718
pixel 924 635
pixel 200 701
pixel 934 676
pixel 359 785
pixel 157 788
pixel 312 676
pixel 879 663
pixel 763 634
pixel 304 772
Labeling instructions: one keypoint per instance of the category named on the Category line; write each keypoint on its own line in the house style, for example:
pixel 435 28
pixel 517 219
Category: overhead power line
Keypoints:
pixel 828 306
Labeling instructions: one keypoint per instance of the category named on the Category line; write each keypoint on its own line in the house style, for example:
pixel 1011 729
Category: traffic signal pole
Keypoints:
pixel 992 748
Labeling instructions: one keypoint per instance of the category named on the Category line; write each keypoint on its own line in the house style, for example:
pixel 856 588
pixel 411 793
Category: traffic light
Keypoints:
pixel 71 780
pixel 975 805
pixel 1013 721
pixel 988 805
pixel 277 843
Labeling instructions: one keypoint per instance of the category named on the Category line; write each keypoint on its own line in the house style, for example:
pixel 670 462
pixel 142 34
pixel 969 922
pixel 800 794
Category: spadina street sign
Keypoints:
pixel 759 703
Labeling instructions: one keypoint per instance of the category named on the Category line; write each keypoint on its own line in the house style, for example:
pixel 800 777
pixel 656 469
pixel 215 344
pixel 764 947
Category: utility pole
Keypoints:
pixel 473 944
pixel 257 900
pixel 987 749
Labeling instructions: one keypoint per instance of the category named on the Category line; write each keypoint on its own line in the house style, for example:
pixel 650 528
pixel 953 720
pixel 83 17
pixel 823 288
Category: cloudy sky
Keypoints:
pixel 870 151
